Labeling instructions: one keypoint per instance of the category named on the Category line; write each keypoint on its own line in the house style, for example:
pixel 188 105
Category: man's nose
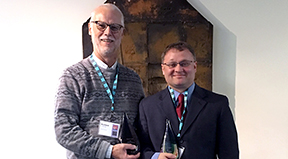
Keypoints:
pixel 107 30
pixel 178 68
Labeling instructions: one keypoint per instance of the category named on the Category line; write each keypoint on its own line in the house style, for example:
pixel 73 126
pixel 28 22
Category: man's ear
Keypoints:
pixel 162 67
pixel 125 32
pixel 89 29
pixel 195 66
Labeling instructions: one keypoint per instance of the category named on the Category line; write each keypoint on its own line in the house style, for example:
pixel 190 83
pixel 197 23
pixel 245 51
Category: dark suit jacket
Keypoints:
pixel 208 129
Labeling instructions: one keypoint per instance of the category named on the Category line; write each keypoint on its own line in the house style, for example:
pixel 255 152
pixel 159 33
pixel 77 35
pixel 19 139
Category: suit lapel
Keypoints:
pixel 195 106
pixel 166 104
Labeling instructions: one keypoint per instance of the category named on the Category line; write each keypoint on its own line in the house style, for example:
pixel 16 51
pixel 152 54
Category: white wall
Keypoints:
pixel 38 39
pixel 250 57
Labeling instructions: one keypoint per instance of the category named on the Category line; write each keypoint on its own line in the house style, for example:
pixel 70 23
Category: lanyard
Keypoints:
pixel 185 106
pixel 110 93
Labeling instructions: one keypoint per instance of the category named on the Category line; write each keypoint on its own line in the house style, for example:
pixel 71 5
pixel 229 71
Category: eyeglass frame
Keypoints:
pixel 106 25
pixel 180 63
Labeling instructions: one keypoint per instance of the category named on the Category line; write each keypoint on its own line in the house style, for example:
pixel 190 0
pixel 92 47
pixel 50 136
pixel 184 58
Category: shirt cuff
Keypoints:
pixel 155 155
pixel 109 152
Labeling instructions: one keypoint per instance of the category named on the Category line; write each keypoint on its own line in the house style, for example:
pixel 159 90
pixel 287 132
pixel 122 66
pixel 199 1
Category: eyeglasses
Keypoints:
pixel 102 26
pixel 182 64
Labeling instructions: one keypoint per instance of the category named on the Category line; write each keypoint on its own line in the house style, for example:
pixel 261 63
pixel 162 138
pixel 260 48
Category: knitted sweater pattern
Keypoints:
pixel 82 101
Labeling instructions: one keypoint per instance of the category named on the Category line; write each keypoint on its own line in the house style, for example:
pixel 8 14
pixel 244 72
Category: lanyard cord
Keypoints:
pixel 104 82
pixel 185 106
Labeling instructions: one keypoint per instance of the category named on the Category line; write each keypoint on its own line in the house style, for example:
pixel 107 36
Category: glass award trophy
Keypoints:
pixel 169 144
pixel 128 135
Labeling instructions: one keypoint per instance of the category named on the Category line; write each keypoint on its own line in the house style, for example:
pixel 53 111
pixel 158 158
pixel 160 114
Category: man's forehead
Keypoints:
pixel 107 18
pixel 173 52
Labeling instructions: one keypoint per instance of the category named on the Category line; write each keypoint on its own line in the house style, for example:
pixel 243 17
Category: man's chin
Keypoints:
pixel 180 82
pixel 107 51
pixel 179 85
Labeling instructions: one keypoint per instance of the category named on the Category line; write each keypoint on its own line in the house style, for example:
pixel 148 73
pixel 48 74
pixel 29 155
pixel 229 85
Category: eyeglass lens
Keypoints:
pixel 102 26
pixel 182 64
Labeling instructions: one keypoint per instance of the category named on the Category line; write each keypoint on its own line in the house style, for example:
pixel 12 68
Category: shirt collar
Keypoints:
pixel 190 91
pixel 103 65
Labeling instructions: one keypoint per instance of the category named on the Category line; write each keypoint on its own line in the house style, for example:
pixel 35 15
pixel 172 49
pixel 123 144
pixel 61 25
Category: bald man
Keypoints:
pixel 94 93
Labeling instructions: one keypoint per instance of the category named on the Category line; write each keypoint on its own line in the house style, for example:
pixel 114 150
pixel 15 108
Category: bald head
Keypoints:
pixel 107 8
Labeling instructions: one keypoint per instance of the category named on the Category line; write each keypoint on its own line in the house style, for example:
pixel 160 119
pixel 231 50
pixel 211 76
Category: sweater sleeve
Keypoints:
pixel 66 116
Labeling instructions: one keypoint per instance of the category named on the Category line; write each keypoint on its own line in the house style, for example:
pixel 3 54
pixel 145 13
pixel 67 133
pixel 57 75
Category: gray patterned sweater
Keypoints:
pixel 82 101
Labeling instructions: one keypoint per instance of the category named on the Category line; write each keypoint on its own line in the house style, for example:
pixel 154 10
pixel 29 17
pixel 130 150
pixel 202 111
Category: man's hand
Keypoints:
pixel 119 151
pixel 166 156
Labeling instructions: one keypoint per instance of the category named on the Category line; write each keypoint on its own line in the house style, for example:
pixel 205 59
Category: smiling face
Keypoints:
pixel 106 42
pixel 179 78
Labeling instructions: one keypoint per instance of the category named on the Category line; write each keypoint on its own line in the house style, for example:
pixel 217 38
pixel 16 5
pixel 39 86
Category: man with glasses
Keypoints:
pixel 94 94
pixel 201 120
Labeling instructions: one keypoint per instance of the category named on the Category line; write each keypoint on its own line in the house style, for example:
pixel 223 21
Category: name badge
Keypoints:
pixel 109 129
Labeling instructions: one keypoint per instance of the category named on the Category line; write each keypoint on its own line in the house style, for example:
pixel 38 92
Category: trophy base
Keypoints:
pixel 132 152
